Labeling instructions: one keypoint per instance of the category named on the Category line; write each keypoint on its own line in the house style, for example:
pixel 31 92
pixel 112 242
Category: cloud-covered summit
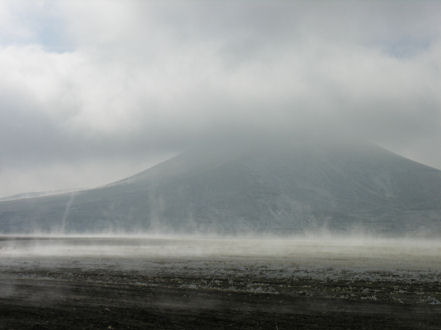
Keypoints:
pixel 94 90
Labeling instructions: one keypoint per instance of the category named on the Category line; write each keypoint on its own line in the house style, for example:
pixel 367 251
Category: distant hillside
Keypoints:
pixel 265 187
pixel 35 194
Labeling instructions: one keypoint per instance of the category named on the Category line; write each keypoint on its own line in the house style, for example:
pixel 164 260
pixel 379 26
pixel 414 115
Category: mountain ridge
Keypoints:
pixel 258 187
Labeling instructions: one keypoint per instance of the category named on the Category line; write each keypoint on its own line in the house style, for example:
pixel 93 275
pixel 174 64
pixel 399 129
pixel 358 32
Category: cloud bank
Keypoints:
pixel 91 91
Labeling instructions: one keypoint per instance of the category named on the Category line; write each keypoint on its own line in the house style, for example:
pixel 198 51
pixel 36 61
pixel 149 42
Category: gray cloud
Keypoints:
pixel 106 83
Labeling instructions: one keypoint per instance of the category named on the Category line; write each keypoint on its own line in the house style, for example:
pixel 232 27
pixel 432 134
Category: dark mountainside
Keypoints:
pixel 265 187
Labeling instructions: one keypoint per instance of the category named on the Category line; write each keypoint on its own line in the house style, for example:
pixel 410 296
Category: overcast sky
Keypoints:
pixel 92 91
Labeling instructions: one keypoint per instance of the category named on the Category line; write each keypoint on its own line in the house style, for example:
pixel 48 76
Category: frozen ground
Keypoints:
pixel 189 282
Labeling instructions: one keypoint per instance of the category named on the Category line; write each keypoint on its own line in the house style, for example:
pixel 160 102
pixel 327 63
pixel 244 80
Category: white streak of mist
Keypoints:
pixel 353 252
pixel 67 211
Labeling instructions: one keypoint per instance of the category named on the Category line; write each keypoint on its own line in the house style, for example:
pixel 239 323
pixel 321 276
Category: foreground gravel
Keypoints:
pixel 158 283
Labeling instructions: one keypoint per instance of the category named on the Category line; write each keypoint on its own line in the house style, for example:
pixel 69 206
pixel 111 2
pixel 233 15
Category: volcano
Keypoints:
pixel 264 186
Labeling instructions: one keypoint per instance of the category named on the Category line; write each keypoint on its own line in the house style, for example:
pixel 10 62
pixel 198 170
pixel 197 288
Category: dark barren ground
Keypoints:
pixel 169 283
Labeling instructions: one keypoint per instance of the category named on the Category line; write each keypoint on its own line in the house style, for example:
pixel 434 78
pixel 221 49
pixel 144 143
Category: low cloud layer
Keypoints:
pixel 88 85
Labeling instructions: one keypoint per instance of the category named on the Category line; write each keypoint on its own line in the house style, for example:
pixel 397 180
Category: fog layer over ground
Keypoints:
pixel 310 251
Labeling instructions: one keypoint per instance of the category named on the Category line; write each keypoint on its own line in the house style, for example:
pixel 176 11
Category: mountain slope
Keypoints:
pixel 269 186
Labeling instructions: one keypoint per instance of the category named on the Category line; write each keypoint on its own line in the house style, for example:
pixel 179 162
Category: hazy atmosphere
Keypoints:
pixel 220 164
pixel 93 91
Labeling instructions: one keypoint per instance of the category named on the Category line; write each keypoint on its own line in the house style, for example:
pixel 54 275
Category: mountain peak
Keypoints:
pixel 264 184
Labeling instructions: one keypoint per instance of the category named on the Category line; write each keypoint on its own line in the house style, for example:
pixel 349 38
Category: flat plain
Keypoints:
pixel 183 282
